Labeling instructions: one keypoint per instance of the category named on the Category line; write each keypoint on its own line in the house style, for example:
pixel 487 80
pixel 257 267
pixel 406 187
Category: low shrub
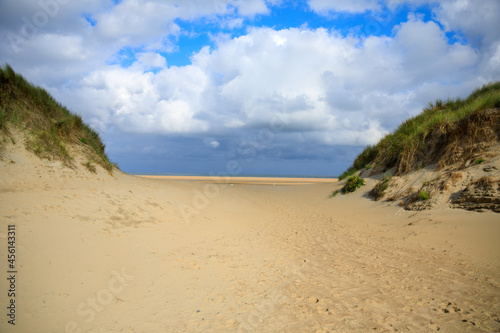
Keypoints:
pixel 352 184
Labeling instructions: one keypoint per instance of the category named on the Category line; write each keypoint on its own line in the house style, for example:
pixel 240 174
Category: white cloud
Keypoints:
pixel 349 6
pixel 141 102
pixel 494 61
pixel 134 23
pixel 57 48
pixel 86 35
pixel 478 20
pixel 231 23
pixel 251 8
pixel 151 60
pixel 427 53
pixel 211 142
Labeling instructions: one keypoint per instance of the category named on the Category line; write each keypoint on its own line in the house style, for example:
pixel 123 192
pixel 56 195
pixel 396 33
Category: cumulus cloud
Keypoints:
pixel 477 20
pixel 349 89
pixel 479 24
pixel 349 6
pixel 133 23
pixel 151 60
pixel 83 36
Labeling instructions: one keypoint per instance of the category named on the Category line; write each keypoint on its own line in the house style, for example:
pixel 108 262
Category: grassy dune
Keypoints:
pixel 50 127
pixel 436 134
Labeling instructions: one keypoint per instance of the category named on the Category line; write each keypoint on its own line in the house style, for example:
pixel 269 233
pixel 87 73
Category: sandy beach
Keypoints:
pixel 102 253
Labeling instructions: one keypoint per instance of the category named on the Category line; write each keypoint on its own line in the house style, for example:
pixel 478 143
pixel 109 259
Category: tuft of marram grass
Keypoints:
pixel 50 125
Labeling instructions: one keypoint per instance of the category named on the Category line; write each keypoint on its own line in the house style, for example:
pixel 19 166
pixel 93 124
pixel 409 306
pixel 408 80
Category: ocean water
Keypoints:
pixel 238 175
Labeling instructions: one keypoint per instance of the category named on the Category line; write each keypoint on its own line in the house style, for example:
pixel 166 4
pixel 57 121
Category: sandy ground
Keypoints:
pixel 97 253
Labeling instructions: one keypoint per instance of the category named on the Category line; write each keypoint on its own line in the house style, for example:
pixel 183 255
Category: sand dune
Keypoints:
pixel 101 253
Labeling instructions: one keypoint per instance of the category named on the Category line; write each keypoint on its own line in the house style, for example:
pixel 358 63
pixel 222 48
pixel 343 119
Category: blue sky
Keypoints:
pixel 249 86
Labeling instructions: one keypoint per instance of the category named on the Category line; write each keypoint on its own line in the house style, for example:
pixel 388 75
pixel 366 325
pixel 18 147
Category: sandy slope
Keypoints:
pixel 126 254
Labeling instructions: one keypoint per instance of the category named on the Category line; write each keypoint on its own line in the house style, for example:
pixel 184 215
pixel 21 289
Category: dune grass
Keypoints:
pixel 361 162
pixel 401 148
pixel 378 191
pixel 50 125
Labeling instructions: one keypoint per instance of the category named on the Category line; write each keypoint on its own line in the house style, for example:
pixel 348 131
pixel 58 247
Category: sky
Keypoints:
pixel 249 87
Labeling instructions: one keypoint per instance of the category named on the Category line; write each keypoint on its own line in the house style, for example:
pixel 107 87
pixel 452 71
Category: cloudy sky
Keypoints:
pixel 277 87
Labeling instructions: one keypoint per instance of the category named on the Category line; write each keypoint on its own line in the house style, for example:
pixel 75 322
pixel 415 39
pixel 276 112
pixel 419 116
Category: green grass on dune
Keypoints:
pixel 404 146
pixel 363 159
pixel 51 126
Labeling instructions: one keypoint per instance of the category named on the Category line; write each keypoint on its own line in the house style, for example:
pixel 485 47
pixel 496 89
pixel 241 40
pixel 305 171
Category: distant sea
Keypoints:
pixel 242 175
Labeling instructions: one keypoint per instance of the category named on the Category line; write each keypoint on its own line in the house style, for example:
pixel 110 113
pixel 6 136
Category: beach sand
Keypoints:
pixel 101 253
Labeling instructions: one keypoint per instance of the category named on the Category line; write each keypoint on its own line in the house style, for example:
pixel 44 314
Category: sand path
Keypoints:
pixel 119 255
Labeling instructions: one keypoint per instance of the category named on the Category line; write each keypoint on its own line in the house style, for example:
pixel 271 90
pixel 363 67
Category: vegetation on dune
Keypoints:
pixel 362 161
pixel 352 184
pixel 378 191
pixel 445 132
pixel 52 127
pixel 423 196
